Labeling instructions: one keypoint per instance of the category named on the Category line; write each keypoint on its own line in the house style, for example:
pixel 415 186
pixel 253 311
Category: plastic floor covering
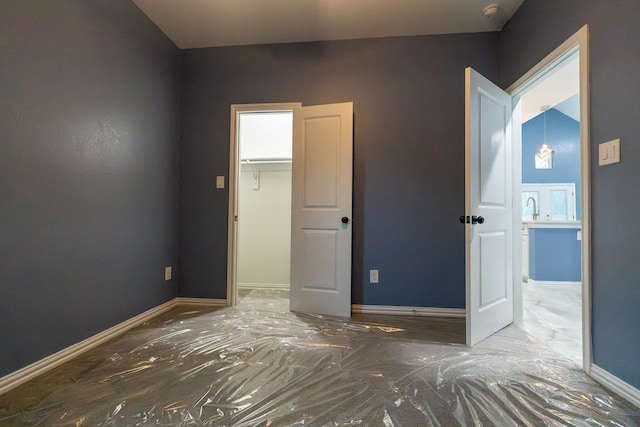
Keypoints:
pixel 257 364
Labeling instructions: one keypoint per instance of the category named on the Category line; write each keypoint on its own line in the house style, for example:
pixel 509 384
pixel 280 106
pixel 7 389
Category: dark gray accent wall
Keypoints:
pixel 536 29
pixel 408 95
pixel 89 129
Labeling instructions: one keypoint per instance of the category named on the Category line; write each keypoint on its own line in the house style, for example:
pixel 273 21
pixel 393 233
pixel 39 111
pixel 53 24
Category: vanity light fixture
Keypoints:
pixel 544 156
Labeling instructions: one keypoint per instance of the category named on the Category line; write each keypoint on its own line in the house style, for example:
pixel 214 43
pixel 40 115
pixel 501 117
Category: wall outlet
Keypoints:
pixel 374 276
pixel 167 273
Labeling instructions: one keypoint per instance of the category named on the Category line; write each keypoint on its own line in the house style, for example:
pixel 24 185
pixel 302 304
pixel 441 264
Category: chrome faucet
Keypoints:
pixel 536 215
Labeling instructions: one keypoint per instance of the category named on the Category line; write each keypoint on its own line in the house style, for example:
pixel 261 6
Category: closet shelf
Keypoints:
pixel 264 161
pixel 255 163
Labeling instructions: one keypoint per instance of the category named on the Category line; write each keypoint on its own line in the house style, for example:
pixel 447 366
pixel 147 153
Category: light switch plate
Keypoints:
pixel 609 152
pixel 219 181
pixel 167 273
pixel 374 276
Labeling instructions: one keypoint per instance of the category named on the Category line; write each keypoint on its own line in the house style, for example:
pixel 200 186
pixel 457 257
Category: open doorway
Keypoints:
pixel 320 197
pixel 552 290
pixel 550 203
pixel 262 158
pixel 264 202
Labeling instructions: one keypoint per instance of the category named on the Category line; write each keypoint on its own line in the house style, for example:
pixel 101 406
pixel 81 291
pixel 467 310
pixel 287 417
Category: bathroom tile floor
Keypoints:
pixel 553 314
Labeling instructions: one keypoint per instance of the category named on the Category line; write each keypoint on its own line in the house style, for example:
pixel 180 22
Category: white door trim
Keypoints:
pixel 234 170
pixel 578 42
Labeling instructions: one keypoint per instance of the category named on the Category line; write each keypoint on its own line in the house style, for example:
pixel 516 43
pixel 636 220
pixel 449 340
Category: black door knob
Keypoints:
pixel 477 220
pixel 345 220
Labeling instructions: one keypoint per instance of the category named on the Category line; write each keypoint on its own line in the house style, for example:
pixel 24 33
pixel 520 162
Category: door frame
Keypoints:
pixel 234 171
pixel 578 42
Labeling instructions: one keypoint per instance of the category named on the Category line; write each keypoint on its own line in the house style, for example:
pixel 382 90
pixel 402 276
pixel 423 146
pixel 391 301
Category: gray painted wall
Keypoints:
pixel 88 161
pixel 408 96
pixel 89 125
pixel 537 28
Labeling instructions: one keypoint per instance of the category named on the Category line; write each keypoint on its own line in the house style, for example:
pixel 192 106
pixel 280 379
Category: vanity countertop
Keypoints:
pixel 552 224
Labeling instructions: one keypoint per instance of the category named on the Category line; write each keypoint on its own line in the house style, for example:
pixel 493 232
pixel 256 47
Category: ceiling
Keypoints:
pixel 209 23
pixel 558 90
pixel 212 23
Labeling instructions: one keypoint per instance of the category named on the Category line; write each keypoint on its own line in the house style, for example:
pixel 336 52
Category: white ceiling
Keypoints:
pixel 562 84
pixel 208 23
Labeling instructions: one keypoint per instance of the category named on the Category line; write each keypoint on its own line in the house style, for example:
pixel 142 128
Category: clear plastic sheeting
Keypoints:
pixel 259 365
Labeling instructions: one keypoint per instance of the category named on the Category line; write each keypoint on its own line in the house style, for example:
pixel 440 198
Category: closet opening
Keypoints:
pixel 260 201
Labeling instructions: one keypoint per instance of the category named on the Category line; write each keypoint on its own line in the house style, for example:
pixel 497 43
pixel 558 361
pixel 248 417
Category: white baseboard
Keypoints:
pixel 614 383
pixel 408 311
pixel 29 372
pixel 201 302
pixel 552 283
pixel 252 286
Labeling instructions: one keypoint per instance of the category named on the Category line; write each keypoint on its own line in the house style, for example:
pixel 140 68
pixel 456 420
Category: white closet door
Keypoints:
pixel 321 209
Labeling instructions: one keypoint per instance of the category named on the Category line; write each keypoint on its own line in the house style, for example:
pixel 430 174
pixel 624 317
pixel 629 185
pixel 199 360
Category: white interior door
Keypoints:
pixel 488 210
pixel 321 209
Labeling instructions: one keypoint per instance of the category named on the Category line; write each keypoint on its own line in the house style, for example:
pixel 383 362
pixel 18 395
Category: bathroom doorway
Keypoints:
pixel 552 301
pixel 550 196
